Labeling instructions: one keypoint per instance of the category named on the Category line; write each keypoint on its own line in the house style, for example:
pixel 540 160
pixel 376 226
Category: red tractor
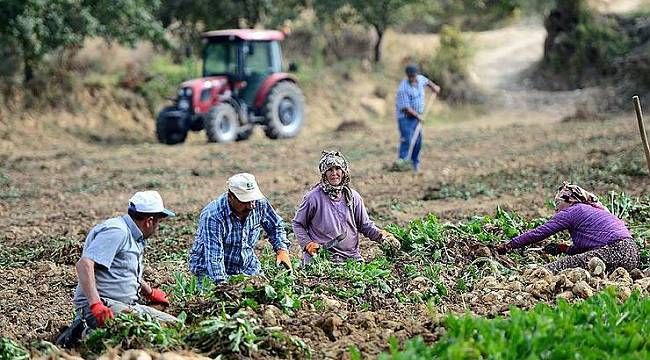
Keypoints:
pixel 242 85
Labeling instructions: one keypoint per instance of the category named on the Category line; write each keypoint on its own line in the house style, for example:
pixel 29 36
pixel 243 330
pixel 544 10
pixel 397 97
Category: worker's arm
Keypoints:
pixel 145 288
pixel 434 87
pixel 412 113
pixel 86 274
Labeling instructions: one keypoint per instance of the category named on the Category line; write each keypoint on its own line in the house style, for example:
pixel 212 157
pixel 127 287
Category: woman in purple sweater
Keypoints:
pixel 332 215
pixel 595 232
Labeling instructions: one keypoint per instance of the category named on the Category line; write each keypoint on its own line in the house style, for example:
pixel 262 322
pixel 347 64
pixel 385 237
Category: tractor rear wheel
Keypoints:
pixel 222 124
pixel 285 110
pixel 170 128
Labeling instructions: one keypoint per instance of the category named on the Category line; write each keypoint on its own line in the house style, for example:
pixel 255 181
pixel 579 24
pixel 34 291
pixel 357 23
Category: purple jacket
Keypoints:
pixel 321 219
pixel 590 228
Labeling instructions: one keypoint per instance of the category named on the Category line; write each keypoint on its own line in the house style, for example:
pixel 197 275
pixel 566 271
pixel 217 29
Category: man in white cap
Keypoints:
pixel 111 267
pixel 229 227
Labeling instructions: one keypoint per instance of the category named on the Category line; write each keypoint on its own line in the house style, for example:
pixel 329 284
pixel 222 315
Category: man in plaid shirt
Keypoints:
pixel 409 107
pixel 230 226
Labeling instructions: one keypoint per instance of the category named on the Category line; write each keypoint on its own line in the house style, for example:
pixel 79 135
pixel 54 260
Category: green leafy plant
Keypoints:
pixel 239 333
pixel 598 328
pixel 418 235
pixel 10 350
pixel 352 278
pixel 134 331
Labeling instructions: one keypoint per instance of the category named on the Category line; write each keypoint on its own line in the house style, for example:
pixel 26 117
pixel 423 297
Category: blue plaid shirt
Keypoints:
pixel 225 246
pixel 410 96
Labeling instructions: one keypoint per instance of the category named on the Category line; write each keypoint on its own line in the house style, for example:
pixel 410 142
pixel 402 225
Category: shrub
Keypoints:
pixel 449 67
pixel 163 80
pixel 580 43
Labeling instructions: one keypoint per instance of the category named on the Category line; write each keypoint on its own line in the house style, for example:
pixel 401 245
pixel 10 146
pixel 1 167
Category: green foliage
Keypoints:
pixel 498 228
pixel 187 288
pixel 449 67
pixel 36 27
pixel 352 278
pixel 636 214
pixel 9 350
pixel 418 235
pixel 236 334
pixel 243 334
pixel 598 328
pixel 167 76
pixel 67 250
pixel 380 15
pixel 581 41
pixel 134 331
pixel 240 333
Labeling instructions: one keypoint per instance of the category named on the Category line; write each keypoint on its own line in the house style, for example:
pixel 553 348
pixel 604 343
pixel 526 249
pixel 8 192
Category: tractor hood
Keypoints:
pixel 197 85
pixel 204 92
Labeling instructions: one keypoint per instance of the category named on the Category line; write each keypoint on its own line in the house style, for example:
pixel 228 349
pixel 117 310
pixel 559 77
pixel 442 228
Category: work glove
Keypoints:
pixel 158 296
pixel 101 312
pixel 556 249
pixel 312 247
pixel 390 240
pixel 503 249
pixel 282 257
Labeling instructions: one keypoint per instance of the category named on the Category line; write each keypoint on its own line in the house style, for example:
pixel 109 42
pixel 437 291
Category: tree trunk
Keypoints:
pixel 28 71
pixel 380 37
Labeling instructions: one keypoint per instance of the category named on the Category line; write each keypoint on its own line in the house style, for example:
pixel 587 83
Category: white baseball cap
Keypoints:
pixel 149 202
pixel 245 187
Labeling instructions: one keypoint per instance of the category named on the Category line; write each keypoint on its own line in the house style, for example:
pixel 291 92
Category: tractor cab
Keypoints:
pixel 246 63
pixel 242 85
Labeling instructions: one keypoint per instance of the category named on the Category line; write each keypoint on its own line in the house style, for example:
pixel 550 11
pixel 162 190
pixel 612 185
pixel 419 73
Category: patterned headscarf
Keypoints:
pixel 328 160
pixel 574 194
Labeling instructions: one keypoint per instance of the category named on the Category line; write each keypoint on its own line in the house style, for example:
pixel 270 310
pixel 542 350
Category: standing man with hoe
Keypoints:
pixel 409 110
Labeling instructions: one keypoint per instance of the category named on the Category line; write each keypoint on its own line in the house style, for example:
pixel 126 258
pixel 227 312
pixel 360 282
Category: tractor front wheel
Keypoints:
pixel 285 110
pixel 222 124
pixel 170 126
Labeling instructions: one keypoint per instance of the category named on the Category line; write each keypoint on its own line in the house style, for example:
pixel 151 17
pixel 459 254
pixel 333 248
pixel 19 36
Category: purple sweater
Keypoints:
pixel 321 219
pixel 590 228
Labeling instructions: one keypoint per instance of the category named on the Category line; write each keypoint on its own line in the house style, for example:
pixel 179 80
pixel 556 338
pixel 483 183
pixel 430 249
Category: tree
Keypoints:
pixel 38 27
pixel 379 14
pixel 187 18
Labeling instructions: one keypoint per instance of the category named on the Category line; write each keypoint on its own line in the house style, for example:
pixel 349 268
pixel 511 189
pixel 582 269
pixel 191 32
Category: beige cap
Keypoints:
pixel 245 187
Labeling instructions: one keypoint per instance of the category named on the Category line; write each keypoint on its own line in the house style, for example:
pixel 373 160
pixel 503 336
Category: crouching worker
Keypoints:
pixel 595 232
pixel 111 267
pixel 332 215
pixel 229 228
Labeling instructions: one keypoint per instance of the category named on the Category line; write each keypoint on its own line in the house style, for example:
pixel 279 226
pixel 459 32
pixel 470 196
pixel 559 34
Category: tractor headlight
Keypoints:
pixel 188 92
pixel 183 104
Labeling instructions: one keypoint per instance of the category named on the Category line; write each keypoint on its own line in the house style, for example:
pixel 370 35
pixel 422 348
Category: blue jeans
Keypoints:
pixel 407 127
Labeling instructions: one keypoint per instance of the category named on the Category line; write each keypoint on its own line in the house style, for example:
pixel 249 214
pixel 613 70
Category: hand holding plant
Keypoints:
pixel 556 249
pixel 503 249
pixel 390 240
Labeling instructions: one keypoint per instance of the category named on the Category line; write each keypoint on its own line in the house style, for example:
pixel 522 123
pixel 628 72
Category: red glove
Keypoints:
pixel 312 247
pixel 101 312
pixel 158 296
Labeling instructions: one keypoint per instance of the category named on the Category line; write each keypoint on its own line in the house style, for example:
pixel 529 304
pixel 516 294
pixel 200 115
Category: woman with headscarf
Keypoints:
pixel 332 215
pixel 595 232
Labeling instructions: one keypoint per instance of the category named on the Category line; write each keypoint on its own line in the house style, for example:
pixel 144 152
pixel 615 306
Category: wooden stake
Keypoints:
pixel 644 137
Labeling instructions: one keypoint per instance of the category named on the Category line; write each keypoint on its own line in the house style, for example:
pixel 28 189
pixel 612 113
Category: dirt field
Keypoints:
pixel 52 190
